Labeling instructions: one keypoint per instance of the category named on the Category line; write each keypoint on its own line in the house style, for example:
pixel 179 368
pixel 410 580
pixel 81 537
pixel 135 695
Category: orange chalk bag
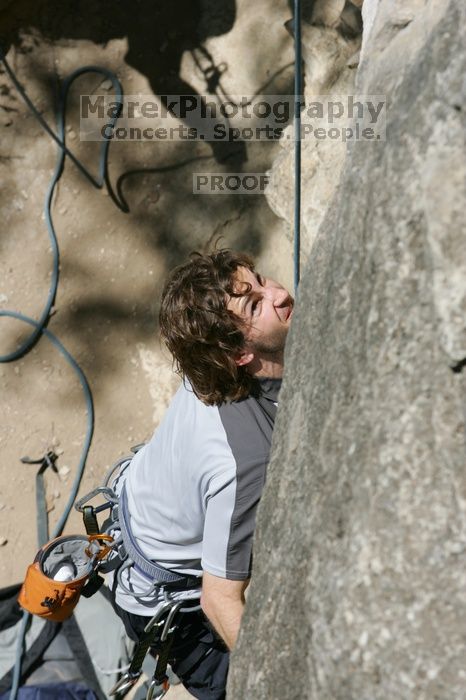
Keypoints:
pixel 63 570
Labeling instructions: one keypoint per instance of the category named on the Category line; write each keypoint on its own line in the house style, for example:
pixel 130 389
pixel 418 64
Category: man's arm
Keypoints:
pixel 223 603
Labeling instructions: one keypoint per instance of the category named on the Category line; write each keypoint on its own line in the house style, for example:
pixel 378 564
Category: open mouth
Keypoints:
pixel 289 311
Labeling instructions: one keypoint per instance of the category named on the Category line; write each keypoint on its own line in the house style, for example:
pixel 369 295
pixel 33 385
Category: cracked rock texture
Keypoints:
pixel 359 584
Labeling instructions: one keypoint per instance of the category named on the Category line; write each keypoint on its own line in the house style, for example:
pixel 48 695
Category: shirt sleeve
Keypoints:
pixel 230 520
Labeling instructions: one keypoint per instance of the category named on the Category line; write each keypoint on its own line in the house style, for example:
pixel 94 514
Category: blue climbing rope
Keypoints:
pixel 89 410
pixel 99 181
pixel 298 89
pixel 26 617
pixel 39 326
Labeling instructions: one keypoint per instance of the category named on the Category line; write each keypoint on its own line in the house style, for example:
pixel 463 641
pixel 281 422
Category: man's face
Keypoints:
pixel 267 309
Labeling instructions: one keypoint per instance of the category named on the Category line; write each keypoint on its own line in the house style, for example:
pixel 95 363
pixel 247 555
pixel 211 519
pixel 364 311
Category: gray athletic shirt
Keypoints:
pixel 193 490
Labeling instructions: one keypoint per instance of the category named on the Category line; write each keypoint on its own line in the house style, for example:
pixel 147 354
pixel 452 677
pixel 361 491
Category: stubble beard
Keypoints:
pixel 273 346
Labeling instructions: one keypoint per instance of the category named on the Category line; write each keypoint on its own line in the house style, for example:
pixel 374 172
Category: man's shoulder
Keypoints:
pixel 246 424
pixel 184 398
pixel 261 404
pixel 263 389
pixel 249 423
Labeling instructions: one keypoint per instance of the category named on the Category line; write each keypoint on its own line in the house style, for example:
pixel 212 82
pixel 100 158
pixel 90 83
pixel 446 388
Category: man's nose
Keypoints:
pixel 279 296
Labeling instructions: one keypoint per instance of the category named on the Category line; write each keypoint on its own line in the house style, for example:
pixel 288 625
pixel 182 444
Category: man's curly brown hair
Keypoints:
pixel 202 334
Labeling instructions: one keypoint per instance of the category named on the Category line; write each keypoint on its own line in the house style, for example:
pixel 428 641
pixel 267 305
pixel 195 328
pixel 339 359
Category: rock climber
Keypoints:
pixel 193 489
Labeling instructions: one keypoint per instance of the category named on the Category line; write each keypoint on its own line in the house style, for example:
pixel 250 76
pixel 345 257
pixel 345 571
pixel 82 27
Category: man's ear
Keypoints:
pixel 244 357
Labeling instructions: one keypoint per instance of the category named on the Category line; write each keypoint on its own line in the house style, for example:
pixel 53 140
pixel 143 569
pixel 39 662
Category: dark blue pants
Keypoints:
pixel 195 641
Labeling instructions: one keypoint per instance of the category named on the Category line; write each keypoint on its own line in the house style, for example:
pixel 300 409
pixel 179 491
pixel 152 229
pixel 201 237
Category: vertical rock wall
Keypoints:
pixel 359 585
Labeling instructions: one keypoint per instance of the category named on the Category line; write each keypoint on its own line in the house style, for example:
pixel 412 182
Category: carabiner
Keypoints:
pixel 103 549
pixel 108 493
pixel 126 682
pixel 154 686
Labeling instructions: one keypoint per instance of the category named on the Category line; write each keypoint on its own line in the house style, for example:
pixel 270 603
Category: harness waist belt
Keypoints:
pixel 155 572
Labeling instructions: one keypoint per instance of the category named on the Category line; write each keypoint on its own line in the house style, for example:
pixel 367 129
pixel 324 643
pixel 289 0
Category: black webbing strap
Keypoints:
pixel 81 655
pixel 162 646
pixel 160 673
pixel 93 585
pixel 90 520
pixel 47 460
pixel 147 640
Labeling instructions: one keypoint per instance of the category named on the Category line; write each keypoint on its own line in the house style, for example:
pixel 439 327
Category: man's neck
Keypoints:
pixel 267 367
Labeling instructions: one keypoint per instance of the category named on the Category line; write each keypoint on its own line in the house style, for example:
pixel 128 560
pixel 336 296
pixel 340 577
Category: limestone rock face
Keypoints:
pixel 359 583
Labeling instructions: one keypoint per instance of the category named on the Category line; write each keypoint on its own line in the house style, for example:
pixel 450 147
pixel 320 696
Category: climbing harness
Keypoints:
pixel 70 566
pixel 124 552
